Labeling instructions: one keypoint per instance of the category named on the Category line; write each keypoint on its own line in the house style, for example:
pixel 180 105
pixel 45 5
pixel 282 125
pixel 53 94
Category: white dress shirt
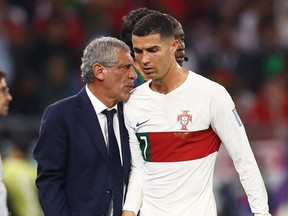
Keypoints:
pixel 3 194
pixel 99 107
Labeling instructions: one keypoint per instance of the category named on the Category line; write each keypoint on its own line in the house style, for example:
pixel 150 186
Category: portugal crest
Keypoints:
pixel 184 119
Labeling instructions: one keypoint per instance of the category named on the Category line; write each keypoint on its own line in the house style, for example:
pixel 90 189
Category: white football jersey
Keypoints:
pixel 174 141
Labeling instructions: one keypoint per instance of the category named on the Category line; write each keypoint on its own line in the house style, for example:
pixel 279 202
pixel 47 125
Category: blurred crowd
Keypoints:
pixel 242 44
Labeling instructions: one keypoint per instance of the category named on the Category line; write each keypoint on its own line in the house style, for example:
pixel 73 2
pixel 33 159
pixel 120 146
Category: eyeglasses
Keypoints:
pixel 4 90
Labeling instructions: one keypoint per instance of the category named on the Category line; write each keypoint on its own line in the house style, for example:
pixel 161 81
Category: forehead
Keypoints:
pixel 124 57
pixel 178 31
pixel 146 41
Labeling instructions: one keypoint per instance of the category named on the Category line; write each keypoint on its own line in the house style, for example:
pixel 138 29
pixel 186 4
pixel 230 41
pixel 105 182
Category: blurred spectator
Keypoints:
pixel 12 19
pixel 19 177
pixel 222 62
pixel 103 17
pixel 242 44
pixel 281 21
pixel 5 99
pixel 27 100
pixel 60 24
pixel 59 80
pixel 270 110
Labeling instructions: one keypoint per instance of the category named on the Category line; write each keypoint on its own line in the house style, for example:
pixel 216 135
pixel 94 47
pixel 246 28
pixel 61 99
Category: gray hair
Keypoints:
pixel 102 50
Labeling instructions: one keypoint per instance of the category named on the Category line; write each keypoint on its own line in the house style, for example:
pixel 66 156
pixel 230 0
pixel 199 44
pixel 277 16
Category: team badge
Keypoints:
pixel 184 119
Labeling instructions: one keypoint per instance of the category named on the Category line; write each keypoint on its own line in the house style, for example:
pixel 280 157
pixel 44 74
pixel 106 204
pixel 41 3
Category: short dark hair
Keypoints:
pixel 155 23
pixel 128 23
pixel 175 22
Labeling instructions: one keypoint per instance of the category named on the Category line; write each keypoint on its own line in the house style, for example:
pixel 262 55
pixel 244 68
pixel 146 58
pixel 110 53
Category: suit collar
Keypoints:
pixel 90 122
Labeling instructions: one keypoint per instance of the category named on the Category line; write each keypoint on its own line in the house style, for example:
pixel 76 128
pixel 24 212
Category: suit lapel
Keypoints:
pixel 90 122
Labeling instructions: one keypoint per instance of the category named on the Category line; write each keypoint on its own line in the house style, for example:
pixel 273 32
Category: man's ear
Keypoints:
pixel 98 71
pixel 174 45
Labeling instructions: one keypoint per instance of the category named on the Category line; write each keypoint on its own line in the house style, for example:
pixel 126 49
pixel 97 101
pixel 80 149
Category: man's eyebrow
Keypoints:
pixel 153 47
pixel 124 65
pixel 148 48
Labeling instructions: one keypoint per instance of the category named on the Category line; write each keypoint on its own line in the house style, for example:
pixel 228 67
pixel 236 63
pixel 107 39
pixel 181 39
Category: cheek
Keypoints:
pixel 121 79
pixel 119 82
pixel 122 92
pixel 165 59
pixel 138 58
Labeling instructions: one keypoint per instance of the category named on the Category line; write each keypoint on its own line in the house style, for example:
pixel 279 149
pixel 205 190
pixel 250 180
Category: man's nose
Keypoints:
pixel 145 58
pixel 181 44
pixel 9 96
pixel 132 74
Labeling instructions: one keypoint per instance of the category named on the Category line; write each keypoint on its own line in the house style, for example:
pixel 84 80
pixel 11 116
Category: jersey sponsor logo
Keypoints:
pixel 178 146
pixel 184 119
pixel 237 117
pixel 141 123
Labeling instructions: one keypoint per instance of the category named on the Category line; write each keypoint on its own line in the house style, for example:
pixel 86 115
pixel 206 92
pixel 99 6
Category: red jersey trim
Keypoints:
pixel 178 146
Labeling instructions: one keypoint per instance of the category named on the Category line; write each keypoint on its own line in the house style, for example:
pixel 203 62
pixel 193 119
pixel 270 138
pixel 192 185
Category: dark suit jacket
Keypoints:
pixel 73 170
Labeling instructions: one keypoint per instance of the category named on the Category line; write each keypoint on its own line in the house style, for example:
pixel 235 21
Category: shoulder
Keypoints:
pixel 67 105
pixel 140 90
pixel 203 80
pixel 204 85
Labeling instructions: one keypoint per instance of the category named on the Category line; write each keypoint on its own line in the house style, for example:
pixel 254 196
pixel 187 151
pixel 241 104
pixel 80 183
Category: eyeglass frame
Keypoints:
pixel 4 90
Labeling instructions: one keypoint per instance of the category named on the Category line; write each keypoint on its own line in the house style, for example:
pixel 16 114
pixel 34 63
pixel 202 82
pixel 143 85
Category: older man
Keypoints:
pixel 84 163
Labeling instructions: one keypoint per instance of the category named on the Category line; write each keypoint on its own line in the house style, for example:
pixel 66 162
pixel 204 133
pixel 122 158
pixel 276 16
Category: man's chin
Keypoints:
pixel 125 97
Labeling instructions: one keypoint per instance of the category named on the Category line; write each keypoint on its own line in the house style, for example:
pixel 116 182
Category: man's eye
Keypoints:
pixel 137 51
pixel 152 50
pixel 126 67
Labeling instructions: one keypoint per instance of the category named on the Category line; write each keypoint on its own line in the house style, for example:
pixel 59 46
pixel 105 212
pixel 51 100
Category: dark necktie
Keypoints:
pixel 115 162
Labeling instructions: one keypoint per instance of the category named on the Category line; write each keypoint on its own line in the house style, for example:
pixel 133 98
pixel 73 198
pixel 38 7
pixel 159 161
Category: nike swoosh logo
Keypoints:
pixel 140 123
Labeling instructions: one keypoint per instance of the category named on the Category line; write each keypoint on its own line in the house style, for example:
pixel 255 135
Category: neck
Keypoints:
pixel 102 95
pixel 171 81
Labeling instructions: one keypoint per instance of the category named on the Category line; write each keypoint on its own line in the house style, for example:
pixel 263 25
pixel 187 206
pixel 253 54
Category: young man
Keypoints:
pixel 79 155
pixel 128 23
pixel 5 99
pixel 176 123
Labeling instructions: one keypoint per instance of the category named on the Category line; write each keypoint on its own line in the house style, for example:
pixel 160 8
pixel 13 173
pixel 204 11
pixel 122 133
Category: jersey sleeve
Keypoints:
pixel 133 199
pixel 228 126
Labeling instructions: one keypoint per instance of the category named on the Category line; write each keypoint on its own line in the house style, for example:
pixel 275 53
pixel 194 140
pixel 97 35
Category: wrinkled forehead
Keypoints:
pixel 124 57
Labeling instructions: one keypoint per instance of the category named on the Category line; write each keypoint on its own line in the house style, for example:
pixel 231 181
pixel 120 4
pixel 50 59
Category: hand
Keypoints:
pixel 128 213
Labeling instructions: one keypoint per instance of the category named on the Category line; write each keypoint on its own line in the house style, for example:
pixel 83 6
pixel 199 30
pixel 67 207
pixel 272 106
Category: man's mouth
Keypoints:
pixel 130 85
pixel 180 58
pixel 147 70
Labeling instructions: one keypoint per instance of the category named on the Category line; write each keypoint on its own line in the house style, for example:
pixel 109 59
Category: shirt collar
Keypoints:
pixel 96 103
